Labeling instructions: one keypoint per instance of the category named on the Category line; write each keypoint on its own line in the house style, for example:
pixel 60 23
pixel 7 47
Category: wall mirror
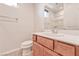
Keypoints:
pixel 61 16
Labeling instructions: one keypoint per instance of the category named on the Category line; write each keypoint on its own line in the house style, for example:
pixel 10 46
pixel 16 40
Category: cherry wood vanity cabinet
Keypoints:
pixel 44 46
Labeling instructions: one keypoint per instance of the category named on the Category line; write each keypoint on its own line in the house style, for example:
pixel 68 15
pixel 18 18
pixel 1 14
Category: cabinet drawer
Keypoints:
pixel 34 37
pixel 45 42
pixel 48 52
pixel 64 49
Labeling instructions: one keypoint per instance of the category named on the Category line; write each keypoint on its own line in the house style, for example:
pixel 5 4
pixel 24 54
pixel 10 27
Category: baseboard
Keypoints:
pixel 14 52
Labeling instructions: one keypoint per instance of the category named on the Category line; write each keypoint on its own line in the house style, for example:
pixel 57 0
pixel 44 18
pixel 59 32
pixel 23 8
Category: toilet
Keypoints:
pixel 26 48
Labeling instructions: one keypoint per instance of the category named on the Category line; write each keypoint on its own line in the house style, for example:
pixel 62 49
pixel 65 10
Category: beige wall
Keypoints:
pixel 71 14
pixel 12 33
pixel 39 18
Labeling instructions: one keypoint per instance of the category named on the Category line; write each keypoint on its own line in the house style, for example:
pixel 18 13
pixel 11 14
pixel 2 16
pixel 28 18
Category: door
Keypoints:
pixel 37 49
pixel 48 52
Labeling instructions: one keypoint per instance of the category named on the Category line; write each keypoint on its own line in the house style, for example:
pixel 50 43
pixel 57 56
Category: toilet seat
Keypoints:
pixel 26 44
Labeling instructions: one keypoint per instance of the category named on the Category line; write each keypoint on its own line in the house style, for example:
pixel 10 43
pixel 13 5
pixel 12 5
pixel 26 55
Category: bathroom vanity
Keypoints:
pixel 48 44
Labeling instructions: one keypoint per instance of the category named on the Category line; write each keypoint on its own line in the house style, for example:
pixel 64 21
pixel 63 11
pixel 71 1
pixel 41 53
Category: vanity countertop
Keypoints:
pixel 72 39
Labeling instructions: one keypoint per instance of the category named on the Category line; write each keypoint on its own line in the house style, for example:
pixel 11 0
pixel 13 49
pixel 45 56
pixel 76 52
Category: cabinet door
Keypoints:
pixel 37 49
pixel 48 52
pixel 77 50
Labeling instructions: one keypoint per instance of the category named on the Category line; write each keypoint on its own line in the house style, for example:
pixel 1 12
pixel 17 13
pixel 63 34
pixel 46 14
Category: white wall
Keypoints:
pixel 71 14
pixel 39 18
pixel 12 33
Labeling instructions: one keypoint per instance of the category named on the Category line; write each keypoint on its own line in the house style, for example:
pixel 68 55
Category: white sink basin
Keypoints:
pixel 54 34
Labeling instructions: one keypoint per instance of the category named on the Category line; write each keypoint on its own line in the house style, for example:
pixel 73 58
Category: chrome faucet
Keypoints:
pixel 54 29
